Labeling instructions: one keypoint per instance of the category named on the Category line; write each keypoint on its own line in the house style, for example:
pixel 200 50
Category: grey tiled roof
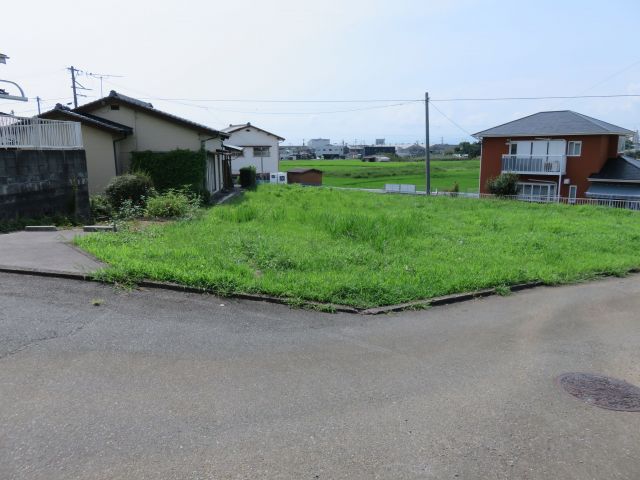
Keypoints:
pixel 87 119
pixel 620 168
pixel 563 122
pixel 115 97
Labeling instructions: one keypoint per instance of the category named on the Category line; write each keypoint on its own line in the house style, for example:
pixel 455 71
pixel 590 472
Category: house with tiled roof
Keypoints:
pixel 555 154
pixel 260 148
pixel 117 125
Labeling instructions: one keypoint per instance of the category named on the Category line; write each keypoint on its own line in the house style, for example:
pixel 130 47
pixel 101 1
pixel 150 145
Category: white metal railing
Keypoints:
pixel 38 133
pixel 631 204
pixel 537 164
pixel 399 188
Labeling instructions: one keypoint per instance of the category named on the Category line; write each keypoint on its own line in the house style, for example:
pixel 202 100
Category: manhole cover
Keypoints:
pixel 601 391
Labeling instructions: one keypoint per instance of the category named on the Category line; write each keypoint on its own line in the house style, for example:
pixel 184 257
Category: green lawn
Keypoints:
pixel 365 249
pixel 355 173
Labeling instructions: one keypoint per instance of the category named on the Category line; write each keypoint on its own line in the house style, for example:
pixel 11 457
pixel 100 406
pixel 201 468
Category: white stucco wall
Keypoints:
pixel 248 138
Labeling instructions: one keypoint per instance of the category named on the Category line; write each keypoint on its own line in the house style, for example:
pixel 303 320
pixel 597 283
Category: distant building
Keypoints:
pixel 442 149
pixel 323 148
pixel 414 150
pixel 296 152
pixel 379 150
pixel 260 148
pixel 379 141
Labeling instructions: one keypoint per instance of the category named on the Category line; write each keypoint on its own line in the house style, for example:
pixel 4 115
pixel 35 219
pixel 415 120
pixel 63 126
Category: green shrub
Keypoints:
pixel 248 177
pixel 135 187
pixel 504 185
pixel 177 169
pixel 173 204
pixel 129 210
pixel 100 207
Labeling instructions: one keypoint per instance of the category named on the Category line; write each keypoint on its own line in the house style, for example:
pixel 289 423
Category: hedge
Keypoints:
pixel 172 170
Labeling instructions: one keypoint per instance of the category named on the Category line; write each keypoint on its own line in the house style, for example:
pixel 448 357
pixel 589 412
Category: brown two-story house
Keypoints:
pixel 554 153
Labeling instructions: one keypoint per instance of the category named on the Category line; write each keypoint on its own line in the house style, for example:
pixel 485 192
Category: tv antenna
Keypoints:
pixel 102 76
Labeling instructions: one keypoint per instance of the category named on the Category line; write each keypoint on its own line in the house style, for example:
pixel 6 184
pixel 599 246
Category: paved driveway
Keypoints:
pixel 46 251
pixel 158 385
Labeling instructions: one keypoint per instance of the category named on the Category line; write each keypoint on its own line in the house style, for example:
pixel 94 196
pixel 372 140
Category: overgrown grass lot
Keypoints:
pixel 359 174
pixel 365 249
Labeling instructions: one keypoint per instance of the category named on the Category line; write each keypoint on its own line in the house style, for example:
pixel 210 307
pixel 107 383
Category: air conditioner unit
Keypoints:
pixel 278 177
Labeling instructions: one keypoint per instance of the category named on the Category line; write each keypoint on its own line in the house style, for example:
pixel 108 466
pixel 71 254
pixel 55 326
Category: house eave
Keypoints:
pixel 547 134
pixel 611 180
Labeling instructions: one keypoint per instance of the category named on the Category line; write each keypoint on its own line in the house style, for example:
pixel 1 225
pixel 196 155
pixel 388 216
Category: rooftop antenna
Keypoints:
pixel 102 76
pixel 3 93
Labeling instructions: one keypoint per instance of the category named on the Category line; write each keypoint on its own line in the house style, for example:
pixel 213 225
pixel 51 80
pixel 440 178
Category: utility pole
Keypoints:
pixel 38 100
pixel 426 144
pixel 73 86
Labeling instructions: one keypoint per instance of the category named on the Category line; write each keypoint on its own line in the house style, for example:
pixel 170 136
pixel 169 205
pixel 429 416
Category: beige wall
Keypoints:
pixel 152 133
pixel 101 168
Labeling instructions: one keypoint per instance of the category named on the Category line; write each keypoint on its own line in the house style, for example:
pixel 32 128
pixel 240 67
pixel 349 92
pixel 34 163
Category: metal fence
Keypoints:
pixel 38 133
pixel 630 204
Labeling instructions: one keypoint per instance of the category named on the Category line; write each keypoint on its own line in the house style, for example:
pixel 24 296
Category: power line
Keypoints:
pixel 451 120
pixel 557 97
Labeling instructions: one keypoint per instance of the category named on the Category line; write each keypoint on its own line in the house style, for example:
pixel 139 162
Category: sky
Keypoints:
pixel 183 56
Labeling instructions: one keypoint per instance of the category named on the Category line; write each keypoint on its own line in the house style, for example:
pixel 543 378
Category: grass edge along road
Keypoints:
pixel 359 174
pixel 364 249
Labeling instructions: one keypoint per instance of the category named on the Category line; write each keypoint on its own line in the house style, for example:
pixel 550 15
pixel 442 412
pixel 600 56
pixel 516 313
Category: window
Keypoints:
pixel 115 107
pixel 261 152
pixel 574 149
pixel 621 144
pixel 536 192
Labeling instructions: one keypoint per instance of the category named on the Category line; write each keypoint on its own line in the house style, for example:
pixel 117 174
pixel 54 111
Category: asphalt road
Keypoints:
pixel 164 385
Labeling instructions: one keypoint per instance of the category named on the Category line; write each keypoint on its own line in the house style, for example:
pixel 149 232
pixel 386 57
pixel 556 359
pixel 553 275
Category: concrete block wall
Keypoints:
pixel 35 183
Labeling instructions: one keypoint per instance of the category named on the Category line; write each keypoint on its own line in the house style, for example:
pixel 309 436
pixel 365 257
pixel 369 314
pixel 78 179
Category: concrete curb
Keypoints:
pixel 418 304
pixel 328 307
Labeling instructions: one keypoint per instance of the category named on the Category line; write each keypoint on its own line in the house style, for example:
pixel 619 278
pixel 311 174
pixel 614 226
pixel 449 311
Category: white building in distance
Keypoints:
pixel 259 148
pixel 324 149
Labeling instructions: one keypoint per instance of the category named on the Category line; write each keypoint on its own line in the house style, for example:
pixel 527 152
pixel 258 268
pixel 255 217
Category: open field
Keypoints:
pixel 355 173
pixel 365 249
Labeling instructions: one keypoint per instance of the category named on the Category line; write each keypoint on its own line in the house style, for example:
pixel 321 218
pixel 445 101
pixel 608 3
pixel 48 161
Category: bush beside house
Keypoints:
pixel 248 177
pixel 177 169
pixel 504 185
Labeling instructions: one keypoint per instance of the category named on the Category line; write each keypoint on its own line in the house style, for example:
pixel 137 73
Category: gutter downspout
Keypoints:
pixel 115 152
pixel 204 152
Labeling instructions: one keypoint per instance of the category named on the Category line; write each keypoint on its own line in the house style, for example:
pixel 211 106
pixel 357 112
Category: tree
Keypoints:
pixel 468 148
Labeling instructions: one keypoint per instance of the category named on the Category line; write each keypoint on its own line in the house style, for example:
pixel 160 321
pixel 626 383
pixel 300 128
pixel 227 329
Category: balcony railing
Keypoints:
pixel 39 134
pixel 535 164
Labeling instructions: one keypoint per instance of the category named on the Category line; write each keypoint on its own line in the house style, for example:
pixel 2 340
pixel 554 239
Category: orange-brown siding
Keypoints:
pixel 596 149
pixel 305 178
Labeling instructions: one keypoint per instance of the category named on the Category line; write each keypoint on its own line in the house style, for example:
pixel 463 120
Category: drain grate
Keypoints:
pixel 601 391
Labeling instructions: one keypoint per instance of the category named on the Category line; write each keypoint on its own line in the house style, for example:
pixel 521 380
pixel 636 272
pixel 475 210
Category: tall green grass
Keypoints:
pixel 365 249
pixel 358 174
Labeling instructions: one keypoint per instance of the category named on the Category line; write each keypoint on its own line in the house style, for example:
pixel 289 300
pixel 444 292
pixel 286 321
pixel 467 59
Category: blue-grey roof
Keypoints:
pixel 562 122
pixel 622 168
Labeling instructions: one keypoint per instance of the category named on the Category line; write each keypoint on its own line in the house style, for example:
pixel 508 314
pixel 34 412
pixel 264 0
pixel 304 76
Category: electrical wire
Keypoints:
pixel 453 122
